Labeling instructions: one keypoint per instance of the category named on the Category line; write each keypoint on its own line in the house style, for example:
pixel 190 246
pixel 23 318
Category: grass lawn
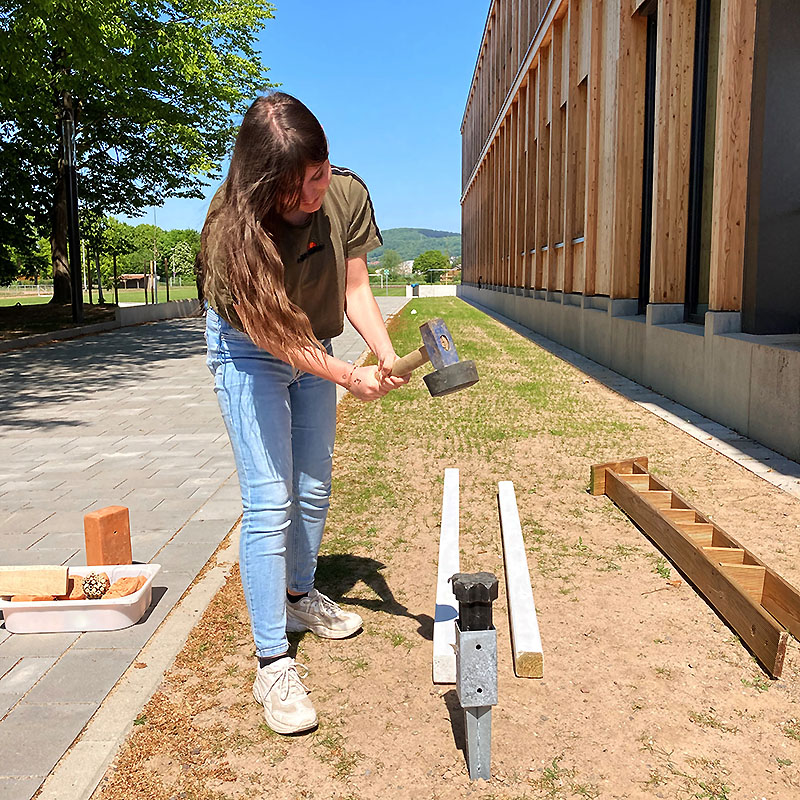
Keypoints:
pixel 646 693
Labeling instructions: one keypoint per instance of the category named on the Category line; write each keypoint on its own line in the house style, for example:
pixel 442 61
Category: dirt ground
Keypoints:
pixel 646 692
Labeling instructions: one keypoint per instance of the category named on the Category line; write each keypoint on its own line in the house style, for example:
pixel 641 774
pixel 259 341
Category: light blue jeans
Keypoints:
pixel 281 423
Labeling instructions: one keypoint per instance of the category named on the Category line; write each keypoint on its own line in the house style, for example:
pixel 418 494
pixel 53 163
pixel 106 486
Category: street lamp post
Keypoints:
pixel 71 181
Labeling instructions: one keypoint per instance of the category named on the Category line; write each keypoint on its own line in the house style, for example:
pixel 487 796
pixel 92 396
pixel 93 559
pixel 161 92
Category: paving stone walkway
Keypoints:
pixel 128 418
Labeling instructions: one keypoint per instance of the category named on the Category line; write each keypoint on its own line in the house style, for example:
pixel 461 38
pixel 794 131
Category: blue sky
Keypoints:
pixel 388 81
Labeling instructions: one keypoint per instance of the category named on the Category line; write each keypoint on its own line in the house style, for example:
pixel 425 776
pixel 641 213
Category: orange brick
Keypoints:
pixel 108 536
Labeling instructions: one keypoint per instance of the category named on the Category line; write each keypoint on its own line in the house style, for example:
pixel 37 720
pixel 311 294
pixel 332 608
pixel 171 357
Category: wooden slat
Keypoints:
pixel 658 499
pixel 695 528
pixel 757 629
pixel 33 580
pixel 749 576
pixel 780 599
pixel 680 514
pixel 525 638
pixel 625 467
pixel 446 612
pixel 725 555
pixel 675 66
pixel 731 150
pixel 638 481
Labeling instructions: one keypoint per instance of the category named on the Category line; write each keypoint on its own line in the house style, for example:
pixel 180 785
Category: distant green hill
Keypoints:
pixel 410 242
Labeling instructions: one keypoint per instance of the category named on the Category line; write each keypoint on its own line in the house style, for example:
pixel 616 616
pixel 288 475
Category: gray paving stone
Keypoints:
pixel 6 662
pixel 24 674
pixel 19 645
pixel 60 522
pixel 36 555
pixel 25 519
pixel 82 676
pixel 19 788
pixel 219 508
pixel 35 736
pixel 206 530
pixel 176 557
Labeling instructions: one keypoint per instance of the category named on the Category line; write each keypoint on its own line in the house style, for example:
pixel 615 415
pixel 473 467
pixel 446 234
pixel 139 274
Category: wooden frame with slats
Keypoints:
pixel 752 598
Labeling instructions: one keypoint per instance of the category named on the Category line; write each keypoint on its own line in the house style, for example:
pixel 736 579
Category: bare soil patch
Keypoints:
pixel 24 320
pixel 646 692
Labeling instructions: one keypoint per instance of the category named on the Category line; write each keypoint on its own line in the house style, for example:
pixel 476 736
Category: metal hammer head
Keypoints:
pixel 449 374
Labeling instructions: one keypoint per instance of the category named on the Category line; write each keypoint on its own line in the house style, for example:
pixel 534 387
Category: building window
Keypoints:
pixel 649 10
pixel 701 169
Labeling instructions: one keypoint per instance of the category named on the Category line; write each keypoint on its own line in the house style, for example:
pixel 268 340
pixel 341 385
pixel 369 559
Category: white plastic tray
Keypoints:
pixel 59 616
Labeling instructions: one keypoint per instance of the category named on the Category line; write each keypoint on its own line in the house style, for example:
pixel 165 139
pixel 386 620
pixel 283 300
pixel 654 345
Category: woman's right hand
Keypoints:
pixel 367 383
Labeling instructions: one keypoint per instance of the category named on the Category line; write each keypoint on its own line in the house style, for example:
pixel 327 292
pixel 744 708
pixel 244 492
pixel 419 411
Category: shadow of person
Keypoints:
pixel 340 572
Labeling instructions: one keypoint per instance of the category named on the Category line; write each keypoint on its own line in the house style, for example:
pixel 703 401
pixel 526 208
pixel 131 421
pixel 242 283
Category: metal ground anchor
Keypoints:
pixel 476 665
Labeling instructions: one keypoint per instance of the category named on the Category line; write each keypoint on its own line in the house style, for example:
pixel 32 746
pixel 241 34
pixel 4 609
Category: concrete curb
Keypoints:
pixel 82 767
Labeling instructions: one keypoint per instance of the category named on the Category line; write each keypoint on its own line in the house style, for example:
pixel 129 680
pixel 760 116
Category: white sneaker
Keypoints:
pixel 279 689
pixel 319 614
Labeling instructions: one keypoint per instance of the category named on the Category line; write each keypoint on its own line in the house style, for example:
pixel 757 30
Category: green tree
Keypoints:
pixel 430 264
pixel 118 242
pixel 390 260
pixel 156 86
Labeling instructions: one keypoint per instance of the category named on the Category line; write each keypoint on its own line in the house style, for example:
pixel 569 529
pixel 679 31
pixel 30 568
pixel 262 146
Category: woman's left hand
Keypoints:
pixel 386 361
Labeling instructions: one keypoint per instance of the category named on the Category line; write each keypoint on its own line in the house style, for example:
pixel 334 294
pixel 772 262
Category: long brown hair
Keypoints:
pixel 278 139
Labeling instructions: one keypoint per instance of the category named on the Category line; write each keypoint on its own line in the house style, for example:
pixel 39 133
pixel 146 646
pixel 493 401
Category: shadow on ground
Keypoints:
pixel 341 572
pixel 39 384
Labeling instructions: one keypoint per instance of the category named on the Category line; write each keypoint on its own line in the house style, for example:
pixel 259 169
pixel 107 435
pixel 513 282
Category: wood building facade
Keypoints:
pixel 631 188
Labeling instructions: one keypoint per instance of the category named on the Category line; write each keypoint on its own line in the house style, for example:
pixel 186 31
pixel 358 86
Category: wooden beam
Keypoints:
pixel 446 612
pixel 672 149
pixel 33 580
pixel 731 151
pixel 525 638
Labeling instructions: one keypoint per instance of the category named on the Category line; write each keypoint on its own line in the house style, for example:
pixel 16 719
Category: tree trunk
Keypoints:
pixel 62 292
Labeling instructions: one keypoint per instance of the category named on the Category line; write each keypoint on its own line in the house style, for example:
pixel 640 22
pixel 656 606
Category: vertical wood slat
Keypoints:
pixel 629 147
pixel 675 66
pixel 522 187
pixel 555 198
pixel 593 147
pixel 729 204
pixel 542 169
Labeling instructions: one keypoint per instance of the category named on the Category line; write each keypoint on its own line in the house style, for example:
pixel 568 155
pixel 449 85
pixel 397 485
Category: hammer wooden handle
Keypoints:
pixel 407 364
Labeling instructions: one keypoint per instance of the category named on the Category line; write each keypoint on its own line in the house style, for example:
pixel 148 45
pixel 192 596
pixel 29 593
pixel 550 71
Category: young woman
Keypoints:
pixel 283 259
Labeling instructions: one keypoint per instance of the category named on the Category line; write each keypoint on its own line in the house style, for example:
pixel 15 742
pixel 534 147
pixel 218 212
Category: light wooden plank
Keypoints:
pixel 725 555
pixel 33 580
pixel 680 514
pixel 782 600
pixel 638 481
pixel 757 629
pixel 672 145
pixel 525 637
pixel 660 500
pixel 749 576
pixel 444 619
pixel 731 151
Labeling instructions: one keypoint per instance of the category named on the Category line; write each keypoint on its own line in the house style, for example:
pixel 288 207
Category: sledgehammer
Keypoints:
pixel 449 374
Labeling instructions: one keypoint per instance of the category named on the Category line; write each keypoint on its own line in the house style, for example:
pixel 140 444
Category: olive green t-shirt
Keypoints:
pixel 314 255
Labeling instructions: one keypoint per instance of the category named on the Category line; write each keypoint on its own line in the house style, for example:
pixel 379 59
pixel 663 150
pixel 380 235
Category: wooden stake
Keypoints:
pixel 525 638
pixel 444 621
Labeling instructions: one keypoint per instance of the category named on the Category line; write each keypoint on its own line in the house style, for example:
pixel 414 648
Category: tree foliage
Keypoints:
pixel 411 242
pixel 156 85
pixel 430 264
pixel 390 260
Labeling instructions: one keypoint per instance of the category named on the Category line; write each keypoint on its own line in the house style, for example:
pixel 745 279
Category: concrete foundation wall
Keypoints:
pixel 135 315
pixel 746 382
pixel 429 290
